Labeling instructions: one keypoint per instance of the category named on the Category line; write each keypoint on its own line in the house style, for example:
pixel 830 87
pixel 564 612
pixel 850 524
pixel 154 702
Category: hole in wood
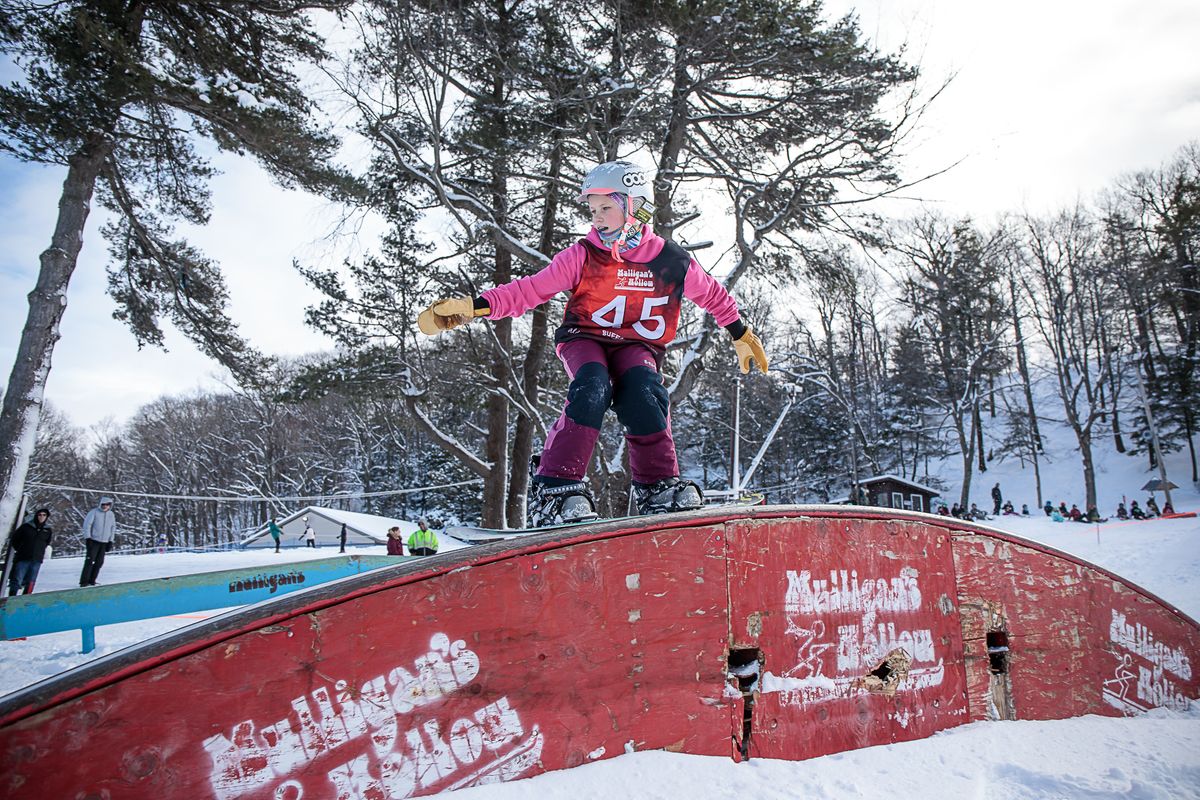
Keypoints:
pixel 997 647
pixel 887 675
pixel 745 667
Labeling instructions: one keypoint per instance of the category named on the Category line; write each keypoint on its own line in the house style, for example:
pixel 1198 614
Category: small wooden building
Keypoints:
pixel 892 491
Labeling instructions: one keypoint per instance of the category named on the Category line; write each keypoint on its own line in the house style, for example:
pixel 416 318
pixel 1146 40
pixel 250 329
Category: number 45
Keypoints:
pixel 612 315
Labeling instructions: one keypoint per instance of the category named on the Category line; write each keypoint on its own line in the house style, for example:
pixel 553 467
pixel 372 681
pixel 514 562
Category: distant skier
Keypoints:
pixel 395 544
pixel 310 536
pixel 276 532
pixel 626 286
pixel 29 545
pixel 422 542
pixel 1152 507
pixel 99 530
pixel 342 538
pixel 996 498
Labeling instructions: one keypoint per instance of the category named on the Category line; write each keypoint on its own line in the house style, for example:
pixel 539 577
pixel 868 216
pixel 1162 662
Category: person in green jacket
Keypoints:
pixel 275 533
pixel 423 541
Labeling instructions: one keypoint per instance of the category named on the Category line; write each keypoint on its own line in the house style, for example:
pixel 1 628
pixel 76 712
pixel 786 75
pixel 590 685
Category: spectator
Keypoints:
pixel 276 532
pixel 395 544
pixel 423 541
pixel 310 536
pixel 1135 511
pixel 1168 509
pixel 1152 507
pixel 1048 508
pixel 1024 509
pixel 1062 509
pixel 976 513
pixel 1057 516
pixel 342 538
pixel 1121 512
pixel 1075 514
pixel 1008 509
pixel 996 498
pixel 99 531
pixel 943 511
pixel 1093 515
pixel 29 544
pixel 956 511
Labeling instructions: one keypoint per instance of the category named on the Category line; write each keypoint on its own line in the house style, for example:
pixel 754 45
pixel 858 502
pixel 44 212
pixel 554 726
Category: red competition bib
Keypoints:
pixel 622 301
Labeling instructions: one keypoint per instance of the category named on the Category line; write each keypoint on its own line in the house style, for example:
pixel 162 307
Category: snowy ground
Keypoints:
pixel 1153 757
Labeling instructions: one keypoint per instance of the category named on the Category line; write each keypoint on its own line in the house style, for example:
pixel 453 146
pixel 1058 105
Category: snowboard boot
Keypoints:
pixel 559 505
pixel 667 495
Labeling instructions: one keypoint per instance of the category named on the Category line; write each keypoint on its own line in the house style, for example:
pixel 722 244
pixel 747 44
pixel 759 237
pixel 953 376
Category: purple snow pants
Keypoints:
pixel 622 375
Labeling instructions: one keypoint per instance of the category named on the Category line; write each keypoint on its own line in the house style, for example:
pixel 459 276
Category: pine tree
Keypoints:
pixel 117 93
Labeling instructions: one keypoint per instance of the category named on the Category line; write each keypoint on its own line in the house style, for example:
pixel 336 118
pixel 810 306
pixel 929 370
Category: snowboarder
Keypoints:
pixel 29 543
pixel 422 542
pixel 99 530
pixel 626 285
pixel 276 532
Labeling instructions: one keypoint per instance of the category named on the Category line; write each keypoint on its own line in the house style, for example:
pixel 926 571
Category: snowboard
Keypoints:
pixel 472 534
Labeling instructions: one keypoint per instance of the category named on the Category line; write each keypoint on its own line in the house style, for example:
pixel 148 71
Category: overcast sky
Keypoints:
pixel 1050 102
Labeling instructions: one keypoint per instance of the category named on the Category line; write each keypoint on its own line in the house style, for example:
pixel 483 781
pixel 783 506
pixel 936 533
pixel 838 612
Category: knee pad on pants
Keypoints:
pixel 589 395
pixel 642 402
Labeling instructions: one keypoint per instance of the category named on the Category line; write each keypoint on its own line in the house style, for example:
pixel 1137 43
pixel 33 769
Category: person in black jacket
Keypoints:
pixel 29 543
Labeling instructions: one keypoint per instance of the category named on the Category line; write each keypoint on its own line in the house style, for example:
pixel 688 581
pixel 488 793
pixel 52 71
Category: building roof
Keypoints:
pixel 890 477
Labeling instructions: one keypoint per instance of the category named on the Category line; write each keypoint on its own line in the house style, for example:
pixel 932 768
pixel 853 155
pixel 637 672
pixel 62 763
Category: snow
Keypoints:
pixel 1153 756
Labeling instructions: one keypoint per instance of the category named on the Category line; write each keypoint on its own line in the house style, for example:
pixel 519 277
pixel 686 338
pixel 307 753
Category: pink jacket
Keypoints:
pixel 565 269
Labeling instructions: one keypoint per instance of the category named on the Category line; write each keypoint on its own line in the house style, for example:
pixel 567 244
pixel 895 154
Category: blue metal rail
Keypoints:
pixel 86 609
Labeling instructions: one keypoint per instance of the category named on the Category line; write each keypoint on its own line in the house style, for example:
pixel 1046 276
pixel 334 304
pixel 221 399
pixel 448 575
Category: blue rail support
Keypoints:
pixel 86 609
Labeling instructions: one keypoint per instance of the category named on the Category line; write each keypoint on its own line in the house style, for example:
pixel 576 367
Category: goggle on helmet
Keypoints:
pixel 621 177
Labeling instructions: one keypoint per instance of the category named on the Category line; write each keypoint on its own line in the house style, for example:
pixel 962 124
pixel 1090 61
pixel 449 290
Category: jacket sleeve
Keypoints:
pixel 88 521
pixel 515 298
pixel 704 290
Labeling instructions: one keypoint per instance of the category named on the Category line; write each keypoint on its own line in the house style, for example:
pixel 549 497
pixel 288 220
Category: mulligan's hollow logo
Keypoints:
pixel 264 581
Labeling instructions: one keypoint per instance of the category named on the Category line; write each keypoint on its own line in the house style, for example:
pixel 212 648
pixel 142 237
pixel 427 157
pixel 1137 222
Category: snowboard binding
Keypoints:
pixel 667 496
pixel 557 505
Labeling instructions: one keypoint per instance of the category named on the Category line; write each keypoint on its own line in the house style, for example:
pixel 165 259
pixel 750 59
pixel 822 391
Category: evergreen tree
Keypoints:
pixel 117 92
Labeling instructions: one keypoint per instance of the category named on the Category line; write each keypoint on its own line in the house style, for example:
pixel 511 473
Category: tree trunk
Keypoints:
pixel 1023 369
pixel 22 411
pixel 1089 468
pixel 539 341
pixel 977 421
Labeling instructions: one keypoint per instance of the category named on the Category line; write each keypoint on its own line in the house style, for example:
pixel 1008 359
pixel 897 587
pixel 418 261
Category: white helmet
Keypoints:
pixel 621 177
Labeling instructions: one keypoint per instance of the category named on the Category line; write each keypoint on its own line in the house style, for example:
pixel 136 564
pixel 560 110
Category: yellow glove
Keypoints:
pixel 447 314
pixel 749 347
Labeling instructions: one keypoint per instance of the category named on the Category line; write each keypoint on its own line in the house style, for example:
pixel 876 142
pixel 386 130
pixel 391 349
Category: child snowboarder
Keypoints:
pixel 626 284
